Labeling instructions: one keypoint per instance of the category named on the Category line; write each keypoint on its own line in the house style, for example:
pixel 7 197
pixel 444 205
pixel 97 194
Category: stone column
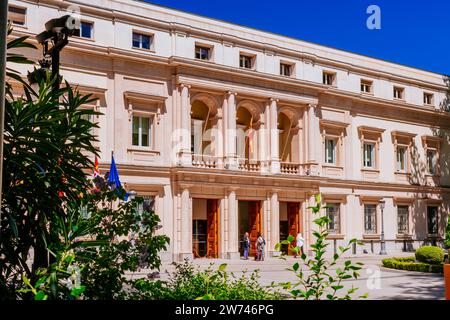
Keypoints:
pixel 274 140
pixel 186 226
pixel 185 153
pixel 274 223
pixel 233 241
pixel 230 131
pixel 313 139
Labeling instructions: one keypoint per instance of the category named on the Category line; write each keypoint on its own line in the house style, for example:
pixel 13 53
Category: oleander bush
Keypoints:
pixel 190 283
pixel 410 264
pixel 430 255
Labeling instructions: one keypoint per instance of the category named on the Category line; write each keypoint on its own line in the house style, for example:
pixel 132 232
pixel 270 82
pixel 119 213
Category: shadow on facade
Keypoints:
pixel 418 177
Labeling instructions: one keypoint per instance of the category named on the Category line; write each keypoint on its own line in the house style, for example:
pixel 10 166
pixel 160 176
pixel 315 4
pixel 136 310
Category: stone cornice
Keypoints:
pixel 264 78
pixel 221 37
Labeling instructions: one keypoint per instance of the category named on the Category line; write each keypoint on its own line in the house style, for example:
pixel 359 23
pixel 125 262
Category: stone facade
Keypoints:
pixel 232 129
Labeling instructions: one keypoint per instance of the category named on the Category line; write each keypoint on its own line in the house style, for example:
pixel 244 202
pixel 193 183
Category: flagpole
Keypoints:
pixel 3 36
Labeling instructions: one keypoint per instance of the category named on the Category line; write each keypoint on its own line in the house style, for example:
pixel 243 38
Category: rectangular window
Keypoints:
pixel 196 136
pixel 328 78
pixel 402 159
pixel 330 151
pixel 403 220
pixel 431 161
pixel 428 98
pixel 369 155
pixel 333 215
pixel 16 15
pixel 142 41
pixel 246 61
pixel 85 31
pixel 366 86
pixel 142 131
pixel 432 220
pixel 370 218
pixel 285 69
pixel 202 53
pixel 398 93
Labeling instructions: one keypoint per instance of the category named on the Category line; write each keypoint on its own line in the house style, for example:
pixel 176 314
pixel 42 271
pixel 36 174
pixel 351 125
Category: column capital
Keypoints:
pixel 184 85
pixel 312 105
pixel 274 100
pixel 229 93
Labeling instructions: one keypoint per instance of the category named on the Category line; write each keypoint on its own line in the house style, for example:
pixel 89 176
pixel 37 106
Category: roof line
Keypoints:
pixel 148 2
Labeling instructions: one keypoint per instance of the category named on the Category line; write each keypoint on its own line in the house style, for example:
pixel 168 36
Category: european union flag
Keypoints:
pixel 113 178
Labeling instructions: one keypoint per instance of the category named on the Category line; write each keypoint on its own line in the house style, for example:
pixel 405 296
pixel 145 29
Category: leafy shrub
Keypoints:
pixel 409 264
pixel 189 283
pixel 430 254
pixel 447 235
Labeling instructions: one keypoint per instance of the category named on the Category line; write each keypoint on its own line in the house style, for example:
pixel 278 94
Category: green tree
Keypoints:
pixel 46 192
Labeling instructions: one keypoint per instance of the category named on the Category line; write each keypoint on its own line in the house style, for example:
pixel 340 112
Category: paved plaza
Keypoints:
pixel 378 282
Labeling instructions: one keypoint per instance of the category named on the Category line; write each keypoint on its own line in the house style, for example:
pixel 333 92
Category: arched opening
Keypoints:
pixel 201 129
pixel 288 138
pixel 245 134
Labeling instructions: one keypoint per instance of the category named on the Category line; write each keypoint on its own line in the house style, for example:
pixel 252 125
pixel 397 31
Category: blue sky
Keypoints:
pixel 414 33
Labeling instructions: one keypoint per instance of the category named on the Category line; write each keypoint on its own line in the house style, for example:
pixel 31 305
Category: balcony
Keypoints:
pixel 289 168
pixel 204 161
pixel 249 165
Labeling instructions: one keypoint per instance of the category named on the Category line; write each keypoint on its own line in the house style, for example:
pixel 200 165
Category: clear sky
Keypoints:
pixel 413 32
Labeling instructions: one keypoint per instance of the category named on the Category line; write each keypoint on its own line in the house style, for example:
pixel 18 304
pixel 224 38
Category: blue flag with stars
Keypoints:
pixel 113 178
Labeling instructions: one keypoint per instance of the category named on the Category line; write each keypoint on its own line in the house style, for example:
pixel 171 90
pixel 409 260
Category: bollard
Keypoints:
pixel 371 246
pixel 335 246
pixel 354 248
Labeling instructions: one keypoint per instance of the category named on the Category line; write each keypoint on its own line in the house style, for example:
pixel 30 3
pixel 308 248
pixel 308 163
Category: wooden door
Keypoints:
pixel 212 240
pixel 293 213
pixel 254 219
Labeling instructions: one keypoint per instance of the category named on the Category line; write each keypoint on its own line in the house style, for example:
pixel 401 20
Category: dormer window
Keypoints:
pixel 366 86
pixel 399 93
pixel 246 61
pixel 286 69
pixel 202 52
pixel 428 99
pixel 329 78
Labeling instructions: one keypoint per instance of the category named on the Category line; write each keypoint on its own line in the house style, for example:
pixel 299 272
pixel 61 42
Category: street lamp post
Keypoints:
pixel 383 242
pixel 53 40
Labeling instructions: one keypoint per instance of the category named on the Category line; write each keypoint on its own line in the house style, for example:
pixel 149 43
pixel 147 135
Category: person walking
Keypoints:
pixel 246 245
pixel 299 245
pixel 260 245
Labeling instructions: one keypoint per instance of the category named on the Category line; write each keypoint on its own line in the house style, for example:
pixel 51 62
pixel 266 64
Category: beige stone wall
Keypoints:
pixel 165 81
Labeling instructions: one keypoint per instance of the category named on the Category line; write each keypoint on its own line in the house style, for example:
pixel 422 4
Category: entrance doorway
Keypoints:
pixel 205 228
pixel 290 222
pixel 250 220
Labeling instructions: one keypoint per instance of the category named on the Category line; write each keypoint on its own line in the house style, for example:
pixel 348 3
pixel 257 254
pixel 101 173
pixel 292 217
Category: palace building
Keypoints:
pixel 228 129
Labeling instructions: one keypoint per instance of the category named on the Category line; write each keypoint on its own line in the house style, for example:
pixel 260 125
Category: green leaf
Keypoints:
pixel 40 295
pixel 222 267
pixel 296 266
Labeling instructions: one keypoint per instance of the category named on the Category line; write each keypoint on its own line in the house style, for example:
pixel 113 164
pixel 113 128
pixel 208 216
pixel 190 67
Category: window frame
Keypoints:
pixel 431 96
pixel 151 130
pixel 203 46
pixel 337 207
pixel 375 222
pixel 143 33
pixel 402 93
pixel 429 206
pixel 335 144
pixel 252 58
pixel 433 144
pixel 24 15
pixel 290 66
pixel 408 214
pixel 326 74
pixel 81 31
pixel 366 83
pixel 370 135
